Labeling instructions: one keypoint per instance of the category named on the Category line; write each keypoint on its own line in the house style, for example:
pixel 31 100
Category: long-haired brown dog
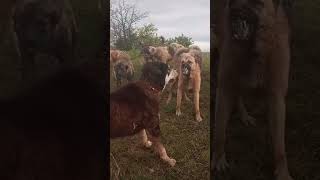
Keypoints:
pixel 134 108
pixel 122 66
pixel 254 48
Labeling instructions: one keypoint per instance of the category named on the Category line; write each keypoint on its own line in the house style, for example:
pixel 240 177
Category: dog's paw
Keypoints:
pixel 178 112
pixel 198 118
pixel 148 144
pixel 249 120
pixel 172 162
pixel 220 164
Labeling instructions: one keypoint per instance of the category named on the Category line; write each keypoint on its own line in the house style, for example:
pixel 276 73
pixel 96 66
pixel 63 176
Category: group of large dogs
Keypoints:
pixel 253 52
pixel 253 46
pixel 134 108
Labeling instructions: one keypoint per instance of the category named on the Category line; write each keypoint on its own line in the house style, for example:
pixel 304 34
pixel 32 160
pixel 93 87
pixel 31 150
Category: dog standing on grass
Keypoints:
pixel 188 73
pixel 255 52
pixel 134 109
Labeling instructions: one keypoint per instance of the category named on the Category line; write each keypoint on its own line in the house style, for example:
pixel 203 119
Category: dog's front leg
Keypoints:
pixel 159 148
pixel 276 106
pixel 170 94
pixel 144 139
pixel 196 97
pixel 224 104
pixel 179 95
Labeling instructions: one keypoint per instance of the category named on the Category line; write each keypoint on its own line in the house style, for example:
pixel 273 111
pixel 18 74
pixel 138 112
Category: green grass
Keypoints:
pixel 184 139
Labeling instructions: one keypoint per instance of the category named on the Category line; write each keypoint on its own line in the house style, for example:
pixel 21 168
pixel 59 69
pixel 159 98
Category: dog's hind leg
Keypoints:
pixel 225 102
pixel 179 95
pixel 186 97
pixel 196 99
pixel 144 139
pixel 244 116
pixel 169 97
pixel 277 127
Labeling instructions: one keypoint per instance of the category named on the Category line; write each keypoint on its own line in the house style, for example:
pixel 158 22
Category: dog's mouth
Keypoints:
pixel 186 69
pixel 243 24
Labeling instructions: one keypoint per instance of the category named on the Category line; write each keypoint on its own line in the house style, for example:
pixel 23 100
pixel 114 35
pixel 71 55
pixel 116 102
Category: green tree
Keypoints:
pixel 182 39
pixel 147 35
pixel 123 18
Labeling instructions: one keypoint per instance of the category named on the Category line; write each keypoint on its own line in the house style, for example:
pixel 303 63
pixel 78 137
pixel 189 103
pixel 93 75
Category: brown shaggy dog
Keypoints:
pixel 161 53
pixel 134 109
pixel 188 63
pixel 122 66
pixel 253 39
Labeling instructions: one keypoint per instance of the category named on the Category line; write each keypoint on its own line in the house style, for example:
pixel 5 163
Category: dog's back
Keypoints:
pixel 130 107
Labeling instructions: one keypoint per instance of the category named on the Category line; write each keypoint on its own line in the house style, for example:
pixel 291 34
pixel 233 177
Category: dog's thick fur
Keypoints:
pixel 55 130
pixel 255 55
pixel 44 27
pixel 134 108
pixel 191 57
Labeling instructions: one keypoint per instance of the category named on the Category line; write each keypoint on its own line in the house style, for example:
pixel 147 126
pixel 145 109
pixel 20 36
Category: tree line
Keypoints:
pixel 126 35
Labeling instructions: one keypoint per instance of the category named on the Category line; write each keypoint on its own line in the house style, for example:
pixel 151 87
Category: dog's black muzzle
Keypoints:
pixel 243 23
pixel 186 69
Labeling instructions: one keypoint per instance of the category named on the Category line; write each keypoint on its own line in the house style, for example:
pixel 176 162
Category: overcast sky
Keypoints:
pixel 174 17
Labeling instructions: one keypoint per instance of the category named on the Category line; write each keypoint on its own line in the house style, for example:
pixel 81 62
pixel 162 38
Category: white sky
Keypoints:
pixel 174 17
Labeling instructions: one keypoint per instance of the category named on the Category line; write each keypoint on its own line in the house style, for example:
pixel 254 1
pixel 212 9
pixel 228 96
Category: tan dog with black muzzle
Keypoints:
pixel 189 68
pixel 254 51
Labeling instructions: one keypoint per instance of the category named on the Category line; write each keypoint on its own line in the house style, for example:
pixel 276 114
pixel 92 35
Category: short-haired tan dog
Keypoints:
pixel 189 61
pixel 254 51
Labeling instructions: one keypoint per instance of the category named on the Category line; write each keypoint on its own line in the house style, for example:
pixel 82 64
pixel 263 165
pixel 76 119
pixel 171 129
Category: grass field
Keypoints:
pixel 249 149
pixel 185 140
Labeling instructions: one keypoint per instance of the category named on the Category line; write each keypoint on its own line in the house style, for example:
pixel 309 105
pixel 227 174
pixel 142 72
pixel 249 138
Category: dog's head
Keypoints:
pixel 154 73
pixel 35 22
pixel 170 77
pixel 189 59
pixel 124 70
pixel 114 55
pixel 243 18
